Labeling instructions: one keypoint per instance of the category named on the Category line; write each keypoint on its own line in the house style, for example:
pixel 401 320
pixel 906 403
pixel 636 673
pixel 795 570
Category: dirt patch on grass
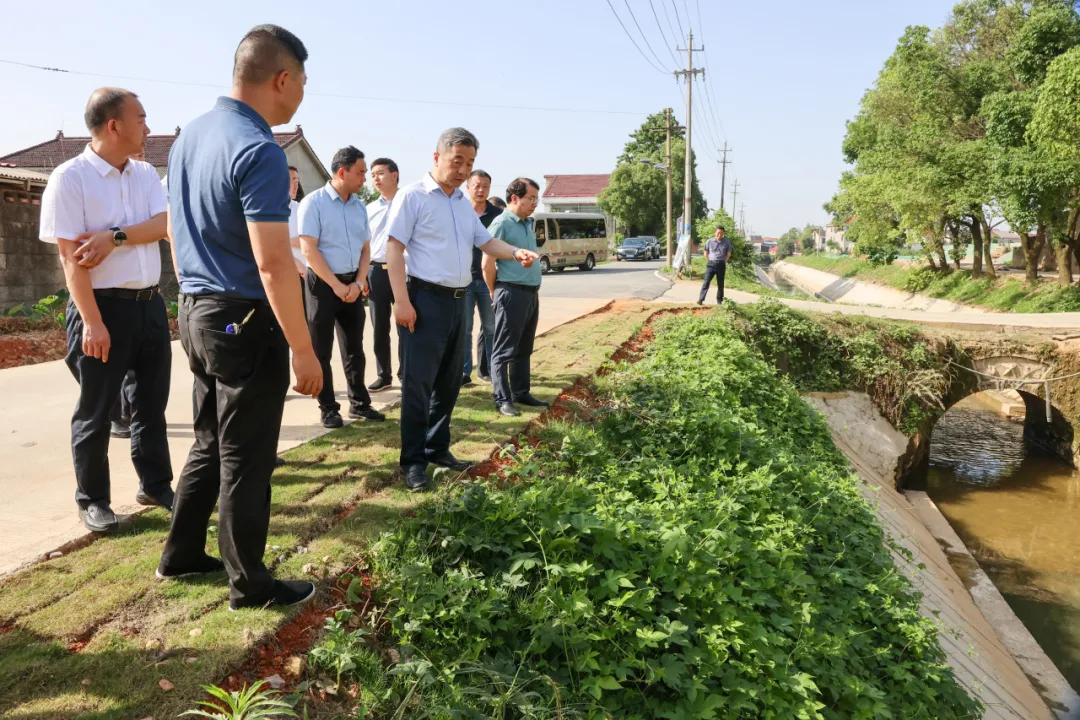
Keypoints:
pixel 26 342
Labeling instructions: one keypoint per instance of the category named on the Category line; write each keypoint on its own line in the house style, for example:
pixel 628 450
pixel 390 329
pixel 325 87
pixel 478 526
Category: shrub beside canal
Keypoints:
pixel 688 544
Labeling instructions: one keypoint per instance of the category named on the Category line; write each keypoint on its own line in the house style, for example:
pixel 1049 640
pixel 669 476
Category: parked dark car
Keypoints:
pixel 638 248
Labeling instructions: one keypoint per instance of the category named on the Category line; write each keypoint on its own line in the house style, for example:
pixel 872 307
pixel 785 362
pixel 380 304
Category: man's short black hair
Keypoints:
pixel 387 163
pixel 265 51
pixel 346 157
pixel 497 202
pixel 478 173
pixel 293 167
pixel 105 104
pixel 721 227
pixel 519 187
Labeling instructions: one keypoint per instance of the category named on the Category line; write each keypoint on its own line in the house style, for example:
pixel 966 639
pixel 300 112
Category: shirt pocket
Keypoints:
pixel 229 358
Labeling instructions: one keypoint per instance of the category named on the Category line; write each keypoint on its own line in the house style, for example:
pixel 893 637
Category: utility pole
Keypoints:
pixel 689 74
pixel 742 217
pixel 669 126
pixel 734 196
pixel 723 173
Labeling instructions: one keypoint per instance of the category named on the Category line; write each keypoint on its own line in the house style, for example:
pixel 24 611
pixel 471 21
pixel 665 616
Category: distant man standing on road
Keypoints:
pixel 717 253
pixel 106 213
pixel 334 234
pixel 479 185
pixel 241 312
pixel 385 178
pixel 433 230
pixel 516 290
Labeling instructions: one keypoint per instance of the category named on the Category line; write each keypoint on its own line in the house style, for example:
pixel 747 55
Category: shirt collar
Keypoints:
pixel 228 103
pixel 431 186
pixel 98 163
pixel 515 217
pixel 335 195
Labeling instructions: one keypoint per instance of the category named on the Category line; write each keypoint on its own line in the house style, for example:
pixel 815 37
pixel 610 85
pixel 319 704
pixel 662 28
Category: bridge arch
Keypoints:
pixel 1046 429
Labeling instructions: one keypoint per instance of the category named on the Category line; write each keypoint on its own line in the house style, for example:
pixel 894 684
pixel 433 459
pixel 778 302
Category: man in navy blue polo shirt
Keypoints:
pixel 241 311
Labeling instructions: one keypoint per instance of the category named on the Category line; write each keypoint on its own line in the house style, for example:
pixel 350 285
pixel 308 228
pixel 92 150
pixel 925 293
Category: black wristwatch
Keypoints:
pixel 119 237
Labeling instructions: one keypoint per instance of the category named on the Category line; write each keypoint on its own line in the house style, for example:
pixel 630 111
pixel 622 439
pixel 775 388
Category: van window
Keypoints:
pixel 540 231
pixel 579 228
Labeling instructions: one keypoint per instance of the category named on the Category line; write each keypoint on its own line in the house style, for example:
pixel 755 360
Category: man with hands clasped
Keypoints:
pixel 334 236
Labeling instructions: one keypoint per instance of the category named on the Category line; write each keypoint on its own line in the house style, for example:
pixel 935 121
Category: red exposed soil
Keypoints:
pixel 24 342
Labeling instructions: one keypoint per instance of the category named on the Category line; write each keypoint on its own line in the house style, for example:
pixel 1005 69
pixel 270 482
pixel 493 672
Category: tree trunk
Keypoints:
pixel 941 256
pixel 987 238
pixel 1063 253
pixel 976 261
pixel 959 249
pixel 1033 247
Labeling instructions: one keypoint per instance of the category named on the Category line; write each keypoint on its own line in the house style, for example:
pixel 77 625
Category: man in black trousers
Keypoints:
pixel 106 213
pixel 385 178
pixel 334 236
pixel 241 312
pixel 433 230
pixel 516 290
pixel 717 253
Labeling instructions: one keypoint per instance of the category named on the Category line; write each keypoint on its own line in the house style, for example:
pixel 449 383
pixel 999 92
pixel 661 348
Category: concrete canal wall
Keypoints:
pixel 991 651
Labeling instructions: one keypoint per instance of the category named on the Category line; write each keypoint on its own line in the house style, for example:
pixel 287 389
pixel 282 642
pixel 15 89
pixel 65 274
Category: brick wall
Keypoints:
pixel 29 268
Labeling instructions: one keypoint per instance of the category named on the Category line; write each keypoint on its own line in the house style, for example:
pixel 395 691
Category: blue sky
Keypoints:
pixel 786 76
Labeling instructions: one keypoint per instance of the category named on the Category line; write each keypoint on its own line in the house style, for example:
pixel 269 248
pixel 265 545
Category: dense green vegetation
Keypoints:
pixel 967 124
pixel 689 544
pixel 1001 293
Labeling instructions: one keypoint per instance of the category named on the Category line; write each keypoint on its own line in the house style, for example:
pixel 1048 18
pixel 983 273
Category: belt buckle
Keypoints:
pixel 143 295
pixel 459 293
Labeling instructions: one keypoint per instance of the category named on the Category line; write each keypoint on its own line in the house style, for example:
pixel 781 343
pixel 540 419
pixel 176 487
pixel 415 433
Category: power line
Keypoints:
pixel 634 18
pixel 662 35
pixel 709 125
pixel 689 24
pixel 677 18
pixel 667 17
pixel 631 37
pixel 701 25
pixel 338 96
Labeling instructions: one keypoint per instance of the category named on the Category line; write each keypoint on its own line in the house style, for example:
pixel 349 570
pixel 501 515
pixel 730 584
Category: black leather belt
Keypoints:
pixel 519 286
pixel 218 297
pixel 378 265
pixel 346 277
pixel 437 289
pixel 125 294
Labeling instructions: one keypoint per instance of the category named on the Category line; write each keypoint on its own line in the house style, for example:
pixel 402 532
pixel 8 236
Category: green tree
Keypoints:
pixel 787 244
pixel 368 194
pixel 636 195
pixel 806 238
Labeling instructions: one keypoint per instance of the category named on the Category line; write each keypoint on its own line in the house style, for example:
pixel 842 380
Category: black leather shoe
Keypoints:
pixel 450 462
pixel 508 410
pixel 332 419
pixel 162 499
pixel 205 566
pixel 531 401
pixel 99 518
pixel 466 380
pixel 416 479
pixel 367 413
pixel 379 384
pixel 284 593
pixel 120 431
pixel 279 461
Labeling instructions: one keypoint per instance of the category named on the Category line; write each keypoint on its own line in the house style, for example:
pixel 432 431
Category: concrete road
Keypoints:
pixel 626 279
pixel 37 487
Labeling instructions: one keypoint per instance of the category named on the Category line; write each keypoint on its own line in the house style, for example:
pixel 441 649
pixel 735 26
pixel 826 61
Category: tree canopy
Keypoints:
pixel 965 126
pixel 637 196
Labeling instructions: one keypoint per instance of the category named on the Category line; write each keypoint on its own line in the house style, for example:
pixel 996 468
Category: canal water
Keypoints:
pixel 1019 515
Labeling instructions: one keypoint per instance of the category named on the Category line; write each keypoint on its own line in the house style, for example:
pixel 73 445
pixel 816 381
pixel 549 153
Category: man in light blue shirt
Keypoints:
pixel 385 177
pixel 516 290
pixel 334 236
pixel 433 230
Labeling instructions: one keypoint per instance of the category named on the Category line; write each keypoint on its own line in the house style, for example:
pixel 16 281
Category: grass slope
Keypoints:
pixel 1006 294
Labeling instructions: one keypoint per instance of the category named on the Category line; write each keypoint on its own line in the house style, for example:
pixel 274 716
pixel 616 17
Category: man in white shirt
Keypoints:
pixel 385 178
pixel 432 231
pixel 106 212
